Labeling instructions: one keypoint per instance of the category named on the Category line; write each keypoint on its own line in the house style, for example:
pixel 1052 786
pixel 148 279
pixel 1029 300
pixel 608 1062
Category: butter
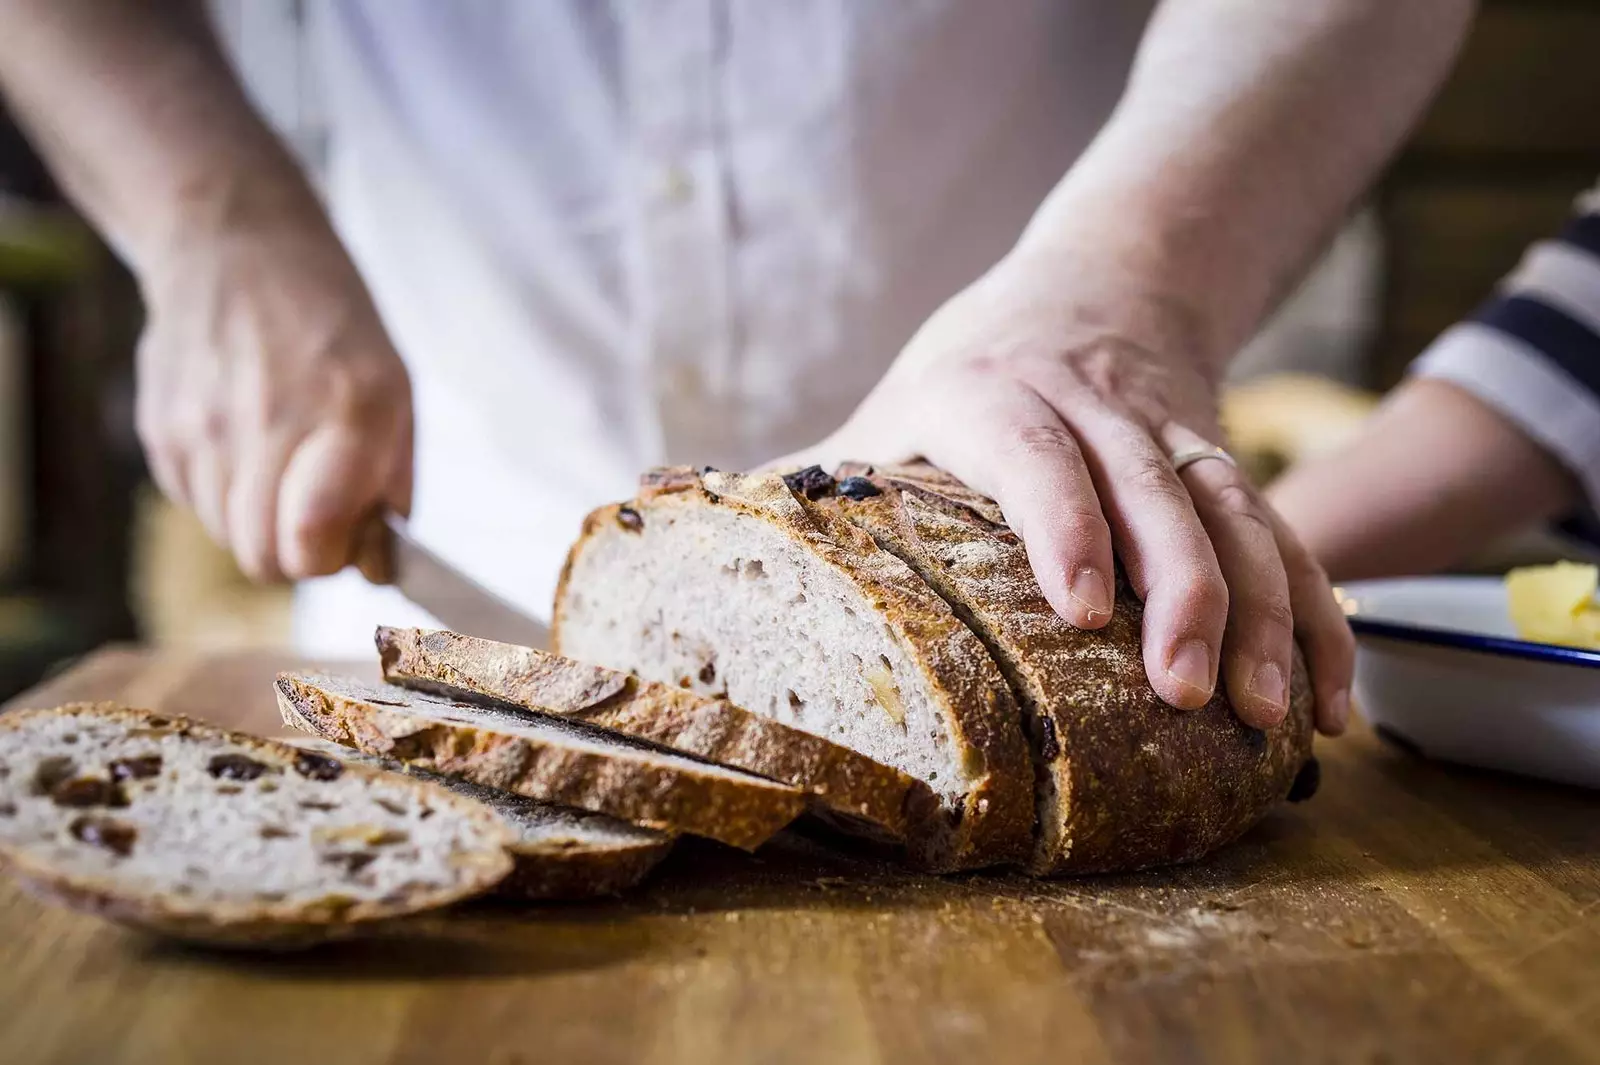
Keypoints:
pixel 1555 604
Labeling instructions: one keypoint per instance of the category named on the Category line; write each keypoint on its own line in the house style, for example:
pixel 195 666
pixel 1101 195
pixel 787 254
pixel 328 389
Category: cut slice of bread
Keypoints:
pixel 732 585
pixel 1124 781
pixel 211 836
pixel 861 794
pixel 542 757
pixel 560 852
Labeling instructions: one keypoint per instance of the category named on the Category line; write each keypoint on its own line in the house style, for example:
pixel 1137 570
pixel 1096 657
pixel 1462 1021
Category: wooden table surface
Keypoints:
pixel 1410 912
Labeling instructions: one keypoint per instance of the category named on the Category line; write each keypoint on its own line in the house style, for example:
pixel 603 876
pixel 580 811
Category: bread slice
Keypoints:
pixel 861 795
pixel 559 852
pixel 542 757
pixel 731 585
pixel 212 836
pixel 1124 781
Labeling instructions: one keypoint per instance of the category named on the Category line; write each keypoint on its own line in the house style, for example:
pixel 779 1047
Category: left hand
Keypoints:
pixel 1046 386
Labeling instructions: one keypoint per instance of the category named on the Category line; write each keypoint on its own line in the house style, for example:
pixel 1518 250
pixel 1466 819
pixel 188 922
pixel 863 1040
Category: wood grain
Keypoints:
pixel 1410 912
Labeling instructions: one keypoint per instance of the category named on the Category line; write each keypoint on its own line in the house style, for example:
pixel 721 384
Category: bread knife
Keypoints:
pixel 391 555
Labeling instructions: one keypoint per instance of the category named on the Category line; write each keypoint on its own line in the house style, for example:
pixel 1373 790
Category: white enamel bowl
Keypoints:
pixel 1440 666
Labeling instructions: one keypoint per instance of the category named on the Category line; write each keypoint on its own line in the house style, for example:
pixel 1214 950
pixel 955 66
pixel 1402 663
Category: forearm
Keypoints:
pixel 1246 132
pixel 136 111
pixel 1436 476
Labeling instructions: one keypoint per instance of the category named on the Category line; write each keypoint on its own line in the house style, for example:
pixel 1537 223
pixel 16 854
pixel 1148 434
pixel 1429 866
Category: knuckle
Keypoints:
pixel 1083 526
pixel 1202 590
pixel 1235 499
pixel 314 529
pixel 156 436
pixel 1273 611
pixel 1150 476
pixel 987 365
pixel 1335 643
pixel 1041 440
pixel 253 565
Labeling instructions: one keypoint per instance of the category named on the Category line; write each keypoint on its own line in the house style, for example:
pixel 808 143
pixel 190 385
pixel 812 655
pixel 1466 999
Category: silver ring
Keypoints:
pixel 1182 460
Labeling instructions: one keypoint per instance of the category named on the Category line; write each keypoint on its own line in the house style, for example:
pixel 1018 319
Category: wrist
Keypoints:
pixel 228 209
pixel 1126 293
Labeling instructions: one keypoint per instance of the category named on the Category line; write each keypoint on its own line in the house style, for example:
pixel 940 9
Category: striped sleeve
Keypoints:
pixel 1532 351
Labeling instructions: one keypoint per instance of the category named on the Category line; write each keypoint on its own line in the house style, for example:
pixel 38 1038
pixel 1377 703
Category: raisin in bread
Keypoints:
pixel 852 790
pixel 732 585
pixel 1124 781
pixel 212 836
pixel 559 852
pixel 542 757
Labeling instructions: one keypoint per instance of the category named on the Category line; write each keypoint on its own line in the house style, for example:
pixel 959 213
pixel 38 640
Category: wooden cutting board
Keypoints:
pixel 1410 912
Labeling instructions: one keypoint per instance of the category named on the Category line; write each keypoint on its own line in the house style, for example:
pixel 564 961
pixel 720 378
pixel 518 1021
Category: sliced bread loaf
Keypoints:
pixel 1124 781
pixel 212 836
pixel 559 852
pixel 859 793
pixel 542 757
pixel 731 585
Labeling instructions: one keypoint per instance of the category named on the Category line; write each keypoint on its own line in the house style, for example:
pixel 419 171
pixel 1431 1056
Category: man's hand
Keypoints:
pixel 1063 380
pixel 269 397
pixel 1064 403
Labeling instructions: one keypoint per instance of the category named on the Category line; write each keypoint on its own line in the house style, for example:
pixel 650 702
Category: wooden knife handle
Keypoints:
pixel 374 549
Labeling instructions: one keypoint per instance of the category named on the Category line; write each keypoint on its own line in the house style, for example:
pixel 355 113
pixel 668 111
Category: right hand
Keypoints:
pixel 1060 390
pixel 270 399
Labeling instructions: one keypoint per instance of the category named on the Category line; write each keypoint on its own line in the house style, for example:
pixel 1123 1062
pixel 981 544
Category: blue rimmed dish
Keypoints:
pixel 1441 666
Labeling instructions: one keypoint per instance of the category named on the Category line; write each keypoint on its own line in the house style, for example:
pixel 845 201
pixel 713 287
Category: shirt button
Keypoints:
pixel 677 187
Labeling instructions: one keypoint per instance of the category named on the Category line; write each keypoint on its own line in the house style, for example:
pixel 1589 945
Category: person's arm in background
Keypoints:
pixel 269 397
pixel 1061 380
pixel 1498 429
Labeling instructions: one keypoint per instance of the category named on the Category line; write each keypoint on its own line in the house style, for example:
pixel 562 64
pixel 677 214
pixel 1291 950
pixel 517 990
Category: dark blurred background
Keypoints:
pixel 89 554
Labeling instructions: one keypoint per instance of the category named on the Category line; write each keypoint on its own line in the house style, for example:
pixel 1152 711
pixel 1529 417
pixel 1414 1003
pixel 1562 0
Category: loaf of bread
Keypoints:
pixel 896 613
pixel 210 836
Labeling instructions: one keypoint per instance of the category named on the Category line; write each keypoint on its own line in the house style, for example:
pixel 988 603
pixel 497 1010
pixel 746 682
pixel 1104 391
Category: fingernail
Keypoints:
pixel 1190 666
pixel 1090 591
pixel 1339 709
pixel 1268 685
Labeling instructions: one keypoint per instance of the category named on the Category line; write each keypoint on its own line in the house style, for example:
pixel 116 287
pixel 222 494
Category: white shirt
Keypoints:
pixel 610 235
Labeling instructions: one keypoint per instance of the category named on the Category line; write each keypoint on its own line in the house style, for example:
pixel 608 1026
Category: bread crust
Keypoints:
pixel 994 823
pixel 1137 783
pixel 634 784
pixel 259 924
pixel 862 794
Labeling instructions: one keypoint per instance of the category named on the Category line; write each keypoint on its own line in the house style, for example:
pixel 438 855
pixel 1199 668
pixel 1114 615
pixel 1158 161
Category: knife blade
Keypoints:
pixel 391 555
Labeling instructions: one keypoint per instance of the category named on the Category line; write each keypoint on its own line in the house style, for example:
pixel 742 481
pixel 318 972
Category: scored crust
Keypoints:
pixel 559 853
pixel 1124 781
pixel 993 823
pixel 542 757
pixel 255 922
pixel 862 795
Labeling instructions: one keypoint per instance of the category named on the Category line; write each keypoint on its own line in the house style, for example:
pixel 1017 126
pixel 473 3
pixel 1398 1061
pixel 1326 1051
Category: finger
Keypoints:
pixel 1258 649
pixel 252 506
pixel 329 487
pixel 1159 537
pixel 166 468
pixel 206 478
pixel 1003 439
pixel 1324 633
pixel 400 481
pixel 162 457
